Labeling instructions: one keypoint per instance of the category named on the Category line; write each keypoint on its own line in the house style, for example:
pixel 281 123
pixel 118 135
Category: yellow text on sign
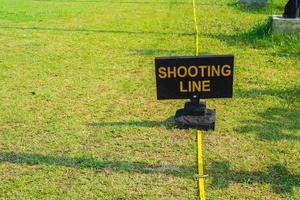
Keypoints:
pixel 195 86
pixel 194 71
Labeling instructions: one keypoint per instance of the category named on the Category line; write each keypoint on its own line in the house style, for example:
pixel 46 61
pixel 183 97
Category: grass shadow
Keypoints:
pixel 114 2
pixel 274 121
pixel 260 36
pixel 160 52
pixel 260 31
pixel 95 31
pixel 273 124
pixel 99 165
pixel 288 95
pixel 278 176
pixel 152 52
pixel 168 123
pixel 132 2
pixel 268 10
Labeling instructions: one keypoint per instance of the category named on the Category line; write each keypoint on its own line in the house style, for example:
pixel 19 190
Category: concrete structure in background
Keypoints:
pixel 254 3
pixel 288 26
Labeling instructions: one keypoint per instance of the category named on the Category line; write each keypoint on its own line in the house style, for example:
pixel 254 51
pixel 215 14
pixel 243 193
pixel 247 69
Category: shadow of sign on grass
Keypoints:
pixel 101 164
pixel 278 176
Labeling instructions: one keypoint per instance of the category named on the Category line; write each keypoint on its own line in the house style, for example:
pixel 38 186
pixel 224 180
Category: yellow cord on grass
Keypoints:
pixel 199 134
pixel 196 27
pixel 200 166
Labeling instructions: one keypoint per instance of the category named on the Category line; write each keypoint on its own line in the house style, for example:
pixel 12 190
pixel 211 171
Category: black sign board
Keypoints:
pixel 209 76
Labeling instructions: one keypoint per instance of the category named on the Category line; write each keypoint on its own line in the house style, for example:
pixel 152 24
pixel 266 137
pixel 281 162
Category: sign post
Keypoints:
pixel 195 78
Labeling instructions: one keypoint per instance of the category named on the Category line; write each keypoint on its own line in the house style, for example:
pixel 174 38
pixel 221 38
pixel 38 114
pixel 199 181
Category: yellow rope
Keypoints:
pixel 199 135
pixel 200 167
pixel 196 27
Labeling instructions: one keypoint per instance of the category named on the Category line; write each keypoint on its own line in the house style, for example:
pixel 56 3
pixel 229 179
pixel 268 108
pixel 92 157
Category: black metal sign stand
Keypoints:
pixel 195 115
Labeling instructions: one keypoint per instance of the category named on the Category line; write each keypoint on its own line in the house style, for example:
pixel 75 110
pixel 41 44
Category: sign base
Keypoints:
pixel 195 115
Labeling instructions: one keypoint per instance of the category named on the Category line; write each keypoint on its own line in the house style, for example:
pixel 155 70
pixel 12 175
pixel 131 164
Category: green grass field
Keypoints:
pixel 79 117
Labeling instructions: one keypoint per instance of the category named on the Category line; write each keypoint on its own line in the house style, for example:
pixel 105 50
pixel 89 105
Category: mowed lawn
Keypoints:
pixel 79 117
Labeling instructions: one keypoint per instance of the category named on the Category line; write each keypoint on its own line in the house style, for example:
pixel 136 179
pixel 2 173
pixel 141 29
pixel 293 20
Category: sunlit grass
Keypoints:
pixel 79 116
